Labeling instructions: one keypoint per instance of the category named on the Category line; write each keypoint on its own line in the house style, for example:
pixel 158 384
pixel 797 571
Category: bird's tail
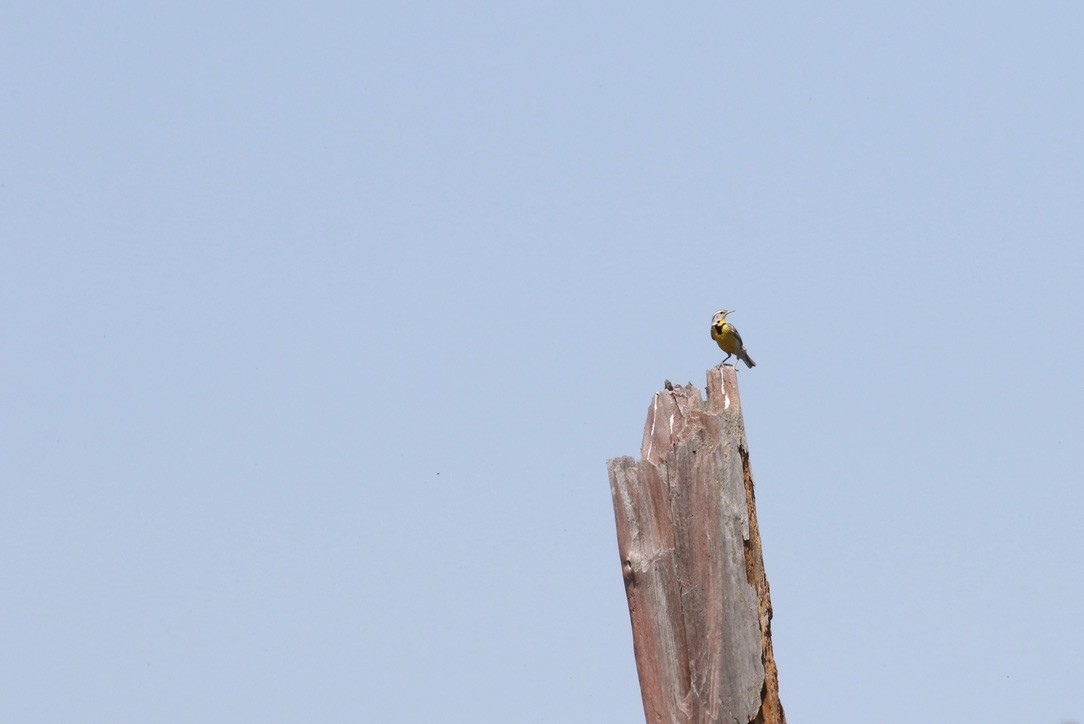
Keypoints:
pixel 747 360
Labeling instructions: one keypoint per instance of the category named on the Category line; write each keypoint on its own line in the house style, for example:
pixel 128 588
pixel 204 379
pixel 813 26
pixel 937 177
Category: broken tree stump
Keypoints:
pixel 690 553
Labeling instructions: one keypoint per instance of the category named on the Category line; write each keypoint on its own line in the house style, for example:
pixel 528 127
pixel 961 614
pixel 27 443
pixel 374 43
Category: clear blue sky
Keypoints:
pixel 320 322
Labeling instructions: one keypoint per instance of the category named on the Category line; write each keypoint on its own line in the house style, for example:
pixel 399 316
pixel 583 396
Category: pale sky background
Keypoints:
pixel 320 322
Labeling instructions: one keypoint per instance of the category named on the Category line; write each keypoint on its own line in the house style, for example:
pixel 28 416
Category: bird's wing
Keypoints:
pixel 737 336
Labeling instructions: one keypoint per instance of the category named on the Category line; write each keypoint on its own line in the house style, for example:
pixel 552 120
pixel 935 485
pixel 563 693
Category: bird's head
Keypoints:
pixel 720 316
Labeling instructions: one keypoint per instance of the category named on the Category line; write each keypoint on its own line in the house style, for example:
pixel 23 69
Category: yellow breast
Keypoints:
pixel 723 334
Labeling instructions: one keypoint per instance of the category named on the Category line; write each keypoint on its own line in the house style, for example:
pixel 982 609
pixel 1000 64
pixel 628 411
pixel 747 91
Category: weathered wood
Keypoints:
pixel 691 556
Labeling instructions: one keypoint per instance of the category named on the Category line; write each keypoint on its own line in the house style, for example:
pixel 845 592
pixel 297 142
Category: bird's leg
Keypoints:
pixel 727 357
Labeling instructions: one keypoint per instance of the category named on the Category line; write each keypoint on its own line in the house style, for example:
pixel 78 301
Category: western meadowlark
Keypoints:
pixel 728 338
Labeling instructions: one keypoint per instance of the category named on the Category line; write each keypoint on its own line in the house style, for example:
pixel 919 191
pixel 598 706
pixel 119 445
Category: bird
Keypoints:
pixel 728 338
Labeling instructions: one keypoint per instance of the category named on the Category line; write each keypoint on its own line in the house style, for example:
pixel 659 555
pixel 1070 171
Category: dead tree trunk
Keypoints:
pixel 690 551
